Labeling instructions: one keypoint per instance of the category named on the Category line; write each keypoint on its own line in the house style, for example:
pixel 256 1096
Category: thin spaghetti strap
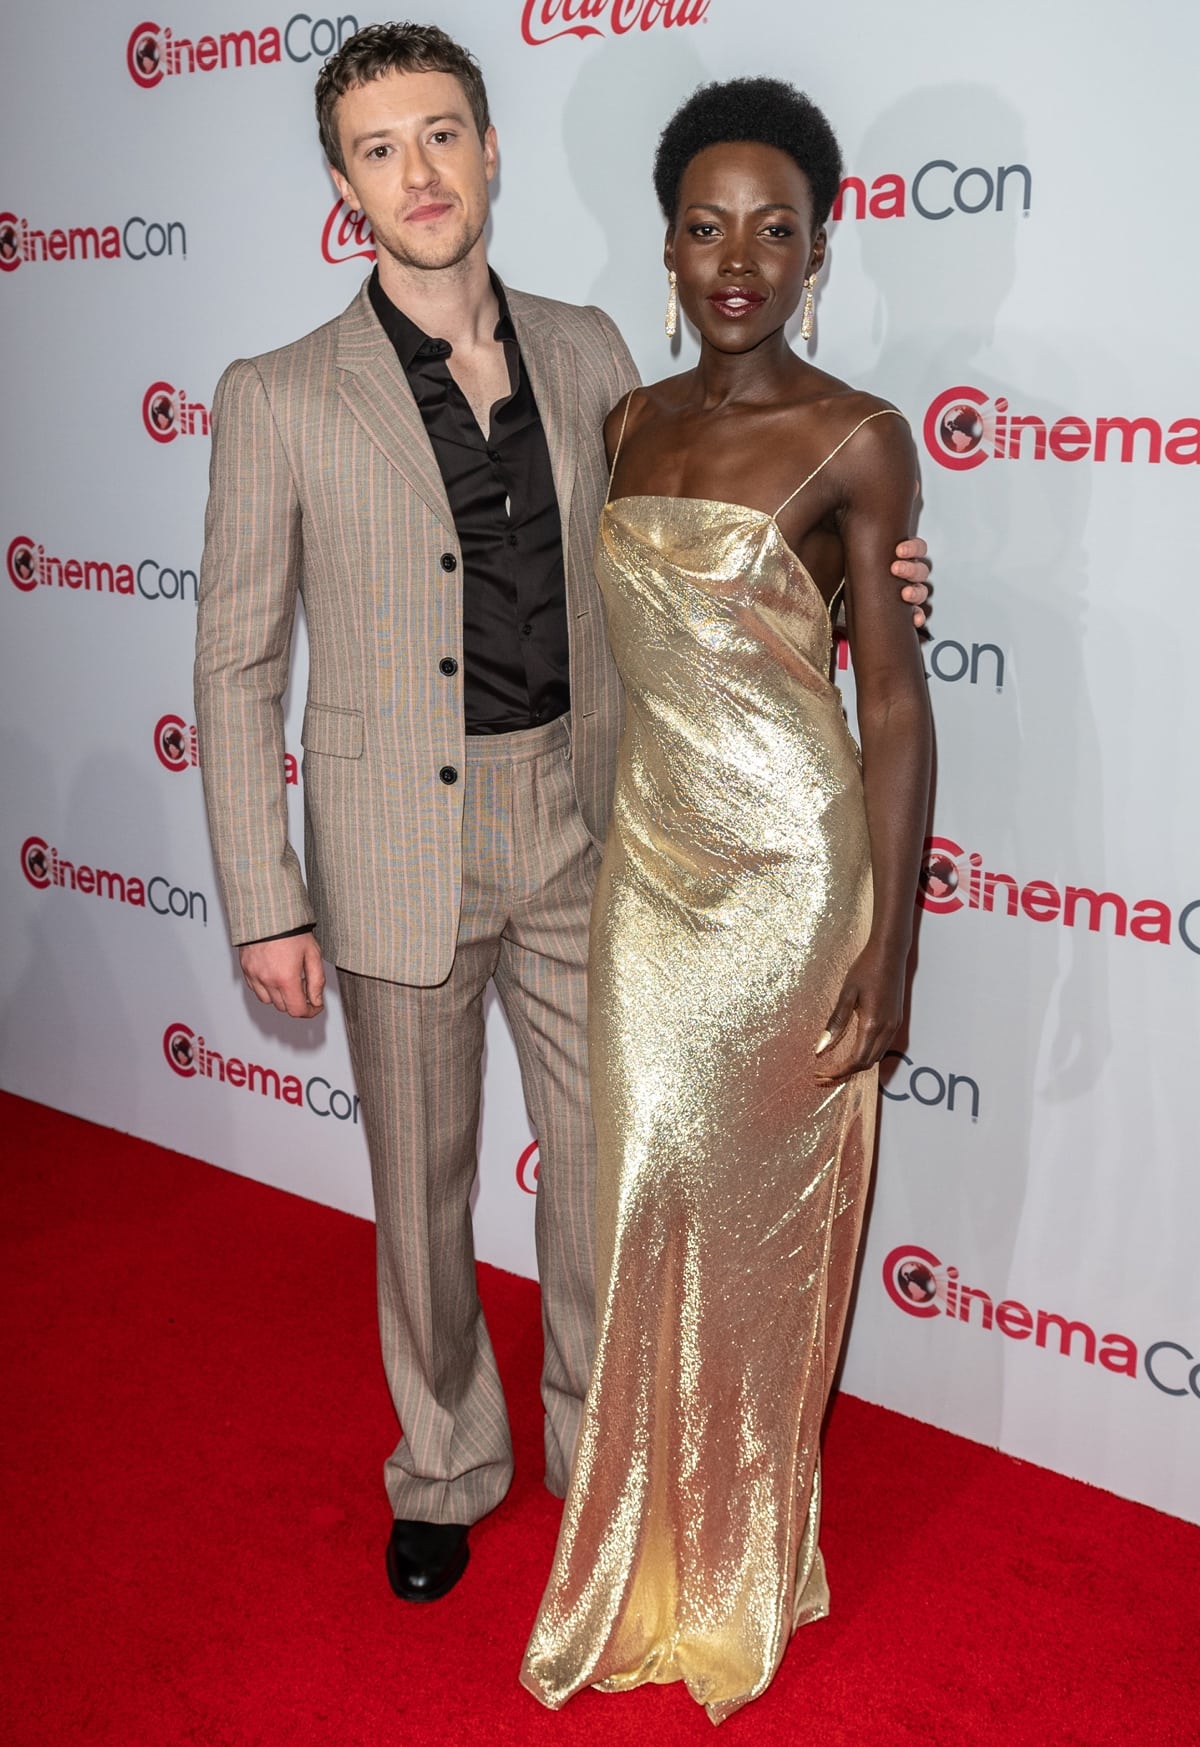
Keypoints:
pixel 882 413
pixel 620 439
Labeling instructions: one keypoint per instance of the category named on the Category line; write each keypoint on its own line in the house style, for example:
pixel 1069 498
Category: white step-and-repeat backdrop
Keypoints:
pixel 1014 263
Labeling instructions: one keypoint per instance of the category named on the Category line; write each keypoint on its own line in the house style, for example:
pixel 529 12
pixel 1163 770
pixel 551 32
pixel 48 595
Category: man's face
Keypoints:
pixel 416 166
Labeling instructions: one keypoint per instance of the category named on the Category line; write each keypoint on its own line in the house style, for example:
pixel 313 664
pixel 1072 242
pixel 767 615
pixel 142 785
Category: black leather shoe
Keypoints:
pixel 426 1560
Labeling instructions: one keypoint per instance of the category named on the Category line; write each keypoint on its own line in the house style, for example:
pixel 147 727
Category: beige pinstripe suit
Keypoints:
pixel 324 483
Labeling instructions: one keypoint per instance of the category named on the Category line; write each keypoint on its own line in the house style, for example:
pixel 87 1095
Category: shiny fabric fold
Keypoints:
pixel 735 892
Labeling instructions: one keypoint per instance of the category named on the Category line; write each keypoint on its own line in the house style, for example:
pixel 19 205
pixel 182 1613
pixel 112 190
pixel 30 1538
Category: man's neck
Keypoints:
pixel 455 303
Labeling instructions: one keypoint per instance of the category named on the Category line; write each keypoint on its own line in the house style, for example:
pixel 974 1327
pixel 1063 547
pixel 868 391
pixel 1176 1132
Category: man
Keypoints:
pixel 428 471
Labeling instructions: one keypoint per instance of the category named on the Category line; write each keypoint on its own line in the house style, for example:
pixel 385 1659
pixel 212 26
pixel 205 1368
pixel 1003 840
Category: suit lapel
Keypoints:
pixel 375 388
pixel 550 362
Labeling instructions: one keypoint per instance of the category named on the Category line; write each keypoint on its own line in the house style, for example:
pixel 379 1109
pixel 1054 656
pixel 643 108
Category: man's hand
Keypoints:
pixel 913 569
pixel 287 974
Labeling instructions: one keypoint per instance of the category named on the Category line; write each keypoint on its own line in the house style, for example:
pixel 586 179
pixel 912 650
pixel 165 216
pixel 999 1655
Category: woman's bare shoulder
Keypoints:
pixel 838 402
pixel 871 428
pixel 643 405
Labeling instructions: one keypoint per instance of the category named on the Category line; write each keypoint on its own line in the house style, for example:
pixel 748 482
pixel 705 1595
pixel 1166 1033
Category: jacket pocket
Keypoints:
pixel 337 733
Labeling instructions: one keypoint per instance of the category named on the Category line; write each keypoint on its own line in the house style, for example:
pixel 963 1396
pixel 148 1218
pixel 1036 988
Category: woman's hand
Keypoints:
pixel 873 997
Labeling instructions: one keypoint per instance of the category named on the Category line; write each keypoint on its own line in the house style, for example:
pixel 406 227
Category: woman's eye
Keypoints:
pixel 778 230
pixel 703 230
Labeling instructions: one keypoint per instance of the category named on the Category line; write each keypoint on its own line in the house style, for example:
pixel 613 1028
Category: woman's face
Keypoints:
pixel 743 242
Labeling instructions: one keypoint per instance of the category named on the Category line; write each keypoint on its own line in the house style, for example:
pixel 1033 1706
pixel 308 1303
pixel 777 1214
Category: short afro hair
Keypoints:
pixel 765 111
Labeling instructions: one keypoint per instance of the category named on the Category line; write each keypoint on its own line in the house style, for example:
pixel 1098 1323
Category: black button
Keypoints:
pixel 447 665
pixel 493 455
pixel 527 630
pixel 512 539
pixel 449 561
pixel 448 774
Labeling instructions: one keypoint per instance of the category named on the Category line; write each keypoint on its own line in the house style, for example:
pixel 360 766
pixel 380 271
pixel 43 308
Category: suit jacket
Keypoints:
pixel 324 484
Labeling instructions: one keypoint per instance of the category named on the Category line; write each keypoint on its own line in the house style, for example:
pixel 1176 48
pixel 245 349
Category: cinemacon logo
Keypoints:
pixel 964 427
pixel 937 190
pixel 547 20
pixel 192 1057
pixel 946 659
pixel 138 239
pixel 31 567
pixel 934 1088
pixel 44 867
pixel 167 413
pixel 175 743
pixel 177 748
pixel 155 52
pixel 918 1284
pixel 954 879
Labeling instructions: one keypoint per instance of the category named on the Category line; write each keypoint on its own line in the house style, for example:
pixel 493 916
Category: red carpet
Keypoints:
pixel 195 1523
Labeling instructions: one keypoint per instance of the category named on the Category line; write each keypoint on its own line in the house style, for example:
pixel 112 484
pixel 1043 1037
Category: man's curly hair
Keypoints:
pixel 765 111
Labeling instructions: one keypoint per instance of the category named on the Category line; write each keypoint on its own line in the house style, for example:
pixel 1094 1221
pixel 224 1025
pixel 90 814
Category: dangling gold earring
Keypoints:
pixel 806 314
pixel 672 321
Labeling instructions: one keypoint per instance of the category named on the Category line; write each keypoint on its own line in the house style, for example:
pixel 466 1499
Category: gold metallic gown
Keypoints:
pixel 735 892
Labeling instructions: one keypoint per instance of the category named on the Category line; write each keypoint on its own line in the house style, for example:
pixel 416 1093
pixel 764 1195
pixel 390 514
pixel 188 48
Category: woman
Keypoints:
pixel 750 934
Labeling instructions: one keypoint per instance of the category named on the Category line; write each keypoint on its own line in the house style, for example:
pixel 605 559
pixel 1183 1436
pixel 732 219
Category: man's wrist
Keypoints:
pixel 288 934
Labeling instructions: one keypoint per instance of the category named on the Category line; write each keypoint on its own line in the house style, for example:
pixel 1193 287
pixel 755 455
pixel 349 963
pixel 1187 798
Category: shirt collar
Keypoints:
pixel 410 341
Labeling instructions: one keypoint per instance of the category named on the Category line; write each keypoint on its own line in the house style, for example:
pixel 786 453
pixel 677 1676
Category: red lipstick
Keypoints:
pixel 736 301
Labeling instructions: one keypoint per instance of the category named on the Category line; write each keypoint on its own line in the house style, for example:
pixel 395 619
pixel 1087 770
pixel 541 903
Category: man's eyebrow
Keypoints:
pixel 383 133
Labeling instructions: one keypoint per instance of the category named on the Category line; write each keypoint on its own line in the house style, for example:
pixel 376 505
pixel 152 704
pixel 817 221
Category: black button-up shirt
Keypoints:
pixel 501 493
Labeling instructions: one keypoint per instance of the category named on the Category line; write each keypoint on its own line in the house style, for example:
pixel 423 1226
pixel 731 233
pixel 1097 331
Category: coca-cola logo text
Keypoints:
pixel 347 235
pixel 547 20
pixel 528 1166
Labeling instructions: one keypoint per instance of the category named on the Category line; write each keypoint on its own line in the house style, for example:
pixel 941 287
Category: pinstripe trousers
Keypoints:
pixel 529 869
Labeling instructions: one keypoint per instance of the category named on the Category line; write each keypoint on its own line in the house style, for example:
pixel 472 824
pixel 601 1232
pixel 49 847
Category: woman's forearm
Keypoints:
pixel 897 740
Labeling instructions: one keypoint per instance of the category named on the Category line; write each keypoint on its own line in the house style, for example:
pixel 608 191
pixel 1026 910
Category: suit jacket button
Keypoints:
pixel 448 666
pixel 448 774
pixel 449 561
